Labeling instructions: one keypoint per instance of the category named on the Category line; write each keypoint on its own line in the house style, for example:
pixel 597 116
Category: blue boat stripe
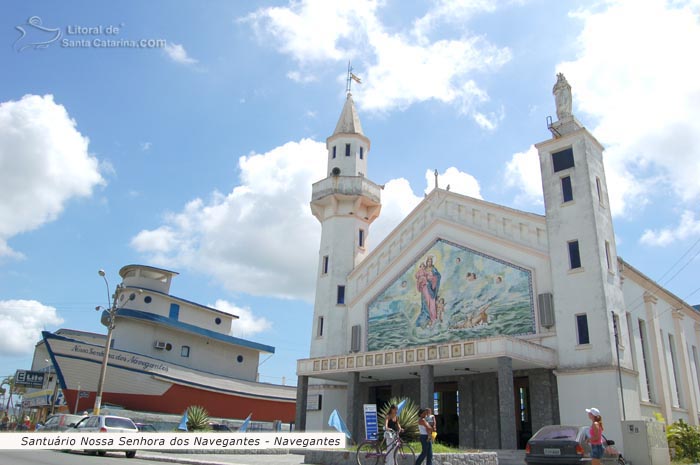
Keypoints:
pixel 153 318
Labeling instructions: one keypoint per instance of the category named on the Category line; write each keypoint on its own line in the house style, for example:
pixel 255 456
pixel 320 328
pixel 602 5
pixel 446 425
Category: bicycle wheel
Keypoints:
pixel 368 453
pixel 404 455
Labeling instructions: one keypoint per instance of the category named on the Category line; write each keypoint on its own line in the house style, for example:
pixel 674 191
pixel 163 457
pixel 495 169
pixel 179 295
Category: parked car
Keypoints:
pixel 146 428
pixel 561 444
pixel 107 424
pixel 220 428
pixel 60 422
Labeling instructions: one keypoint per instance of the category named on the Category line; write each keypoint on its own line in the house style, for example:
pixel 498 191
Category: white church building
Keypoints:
pixel 505 320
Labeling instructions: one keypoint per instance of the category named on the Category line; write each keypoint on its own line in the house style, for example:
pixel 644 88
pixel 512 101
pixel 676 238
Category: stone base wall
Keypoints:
pixel 344 457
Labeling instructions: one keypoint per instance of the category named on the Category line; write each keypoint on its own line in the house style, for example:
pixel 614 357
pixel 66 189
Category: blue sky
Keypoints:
pixel 198 155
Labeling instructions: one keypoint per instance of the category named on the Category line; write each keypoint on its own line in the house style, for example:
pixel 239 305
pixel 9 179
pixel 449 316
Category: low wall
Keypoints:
pixel 345 457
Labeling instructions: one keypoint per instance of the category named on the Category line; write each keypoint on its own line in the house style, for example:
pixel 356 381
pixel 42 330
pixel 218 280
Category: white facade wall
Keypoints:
pixel 207 355
pixel 675 396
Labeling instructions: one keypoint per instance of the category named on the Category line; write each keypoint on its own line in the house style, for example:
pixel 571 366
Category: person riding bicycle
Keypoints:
pixel 392 428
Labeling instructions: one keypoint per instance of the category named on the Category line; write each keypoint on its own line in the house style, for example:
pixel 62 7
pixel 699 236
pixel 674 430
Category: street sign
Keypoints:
pixel 371 424
pixel 33 379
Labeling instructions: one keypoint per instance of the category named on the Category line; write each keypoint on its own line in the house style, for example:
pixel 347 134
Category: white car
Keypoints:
pixel 107 424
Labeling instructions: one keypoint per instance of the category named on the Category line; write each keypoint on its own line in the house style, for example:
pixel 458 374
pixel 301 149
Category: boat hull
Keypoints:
pixel 138 382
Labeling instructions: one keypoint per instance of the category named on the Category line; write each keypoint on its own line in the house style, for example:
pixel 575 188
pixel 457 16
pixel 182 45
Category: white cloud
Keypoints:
pixel 401 67
pixel 21 323
pixel 178 54
pixel 261 238
pixel 302 78
pixel 247 323
pixel 687 227
pixel 145 146
pixel 44 163
pixel 643 89
pixel 459 181
pixel 523 174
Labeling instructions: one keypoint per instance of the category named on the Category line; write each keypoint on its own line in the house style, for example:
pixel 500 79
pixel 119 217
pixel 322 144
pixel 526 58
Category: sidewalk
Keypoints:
pixel 221 459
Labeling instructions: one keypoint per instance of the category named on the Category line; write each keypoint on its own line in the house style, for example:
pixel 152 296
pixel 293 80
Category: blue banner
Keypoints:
pixel 371 425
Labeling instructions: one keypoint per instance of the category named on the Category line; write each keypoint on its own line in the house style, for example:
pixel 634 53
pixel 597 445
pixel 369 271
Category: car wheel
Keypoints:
pixel 101 453
pixel 130 454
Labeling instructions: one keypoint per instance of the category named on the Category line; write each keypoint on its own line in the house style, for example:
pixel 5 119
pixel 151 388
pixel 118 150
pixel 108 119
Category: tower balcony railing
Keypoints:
pixel 346 185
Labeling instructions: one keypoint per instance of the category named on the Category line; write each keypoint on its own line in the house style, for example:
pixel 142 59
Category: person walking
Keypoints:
pixel 595 435
pixel 392 428
pixel 426 438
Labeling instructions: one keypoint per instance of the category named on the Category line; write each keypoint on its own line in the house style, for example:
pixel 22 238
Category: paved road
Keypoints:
pixel 50 457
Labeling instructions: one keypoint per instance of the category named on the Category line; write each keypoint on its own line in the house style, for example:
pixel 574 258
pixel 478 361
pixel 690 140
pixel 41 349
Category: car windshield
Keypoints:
pixel 557 432
pixel 115 422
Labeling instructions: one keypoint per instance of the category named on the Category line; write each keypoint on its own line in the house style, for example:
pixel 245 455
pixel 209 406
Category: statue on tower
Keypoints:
pixel 562 97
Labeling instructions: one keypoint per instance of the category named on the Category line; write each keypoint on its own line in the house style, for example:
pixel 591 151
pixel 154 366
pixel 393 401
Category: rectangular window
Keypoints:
pixel 697 365
pixel 334 149
pixel 599 189
pixel 582 329
pixel 563 160
pixel 645 358
pixel 674 365
pixel 607 255
pixel 185 351
pixel 361 238
pixel 630 340
pixel 324 269
pixel 347 150
pixel 341 295
pixel 566 190
pixel 362 153
pixel 574 255
pixel 319 327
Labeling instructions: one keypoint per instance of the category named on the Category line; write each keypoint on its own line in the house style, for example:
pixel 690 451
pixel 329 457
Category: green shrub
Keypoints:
pixel 408 418
pixel 684 439
pixel 197 418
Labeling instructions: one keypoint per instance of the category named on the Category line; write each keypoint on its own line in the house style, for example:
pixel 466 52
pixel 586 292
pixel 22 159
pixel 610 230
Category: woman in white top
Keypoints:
pixel 426 439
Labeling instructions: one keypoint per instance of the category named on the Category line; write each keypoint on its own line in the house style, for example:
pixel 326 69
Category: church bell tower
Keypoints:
pixel 587 293
pixel 345 203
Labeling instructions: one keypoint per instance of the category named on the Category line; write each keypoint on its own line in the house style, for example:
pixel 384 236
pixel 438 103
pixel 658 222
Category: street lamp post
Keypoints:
pixel 112 311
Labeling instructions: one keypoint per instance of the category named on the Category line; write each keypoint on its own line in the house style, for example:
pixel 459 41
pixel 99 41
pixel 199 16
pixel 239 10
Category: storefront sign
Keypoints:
pixel 33 379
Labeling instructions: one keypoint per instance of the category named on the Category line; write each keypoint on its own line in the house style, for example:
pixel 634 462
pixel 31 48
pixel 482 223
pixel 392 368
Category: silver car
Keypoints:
pixel 60 422
pixel 107 424
pixel 567 445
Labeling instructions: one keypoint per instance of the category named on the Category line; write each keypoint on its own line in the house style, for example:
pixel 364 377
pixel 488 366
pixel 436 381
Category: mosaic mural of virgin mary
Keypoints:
pixel 451 293
pixel 428 285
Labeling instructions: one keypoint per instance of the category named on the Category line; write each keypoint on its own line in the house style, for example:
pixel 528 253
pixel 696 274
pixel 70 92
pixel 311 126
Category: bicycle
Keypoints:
pixel 369 452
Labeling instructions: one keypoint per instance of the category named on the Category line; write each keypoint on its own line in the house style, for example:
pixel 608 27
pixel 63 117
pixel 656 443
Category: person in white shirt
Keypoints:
pixel 426 438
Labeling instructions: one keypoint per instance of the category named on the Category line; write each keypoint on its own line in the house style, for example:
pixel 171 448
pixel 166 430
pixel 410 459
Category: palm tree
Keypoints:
pixel 408 417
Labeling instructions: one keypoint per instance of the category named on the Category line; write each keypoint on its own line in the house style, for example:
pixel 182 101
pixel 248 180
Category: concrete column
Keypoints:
pixel 302 395
pixel 506 403
pixel 427 386
pixel 658 358
pixel 542 404
pixel 354 405
pixel 465 384
pixel 685 371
